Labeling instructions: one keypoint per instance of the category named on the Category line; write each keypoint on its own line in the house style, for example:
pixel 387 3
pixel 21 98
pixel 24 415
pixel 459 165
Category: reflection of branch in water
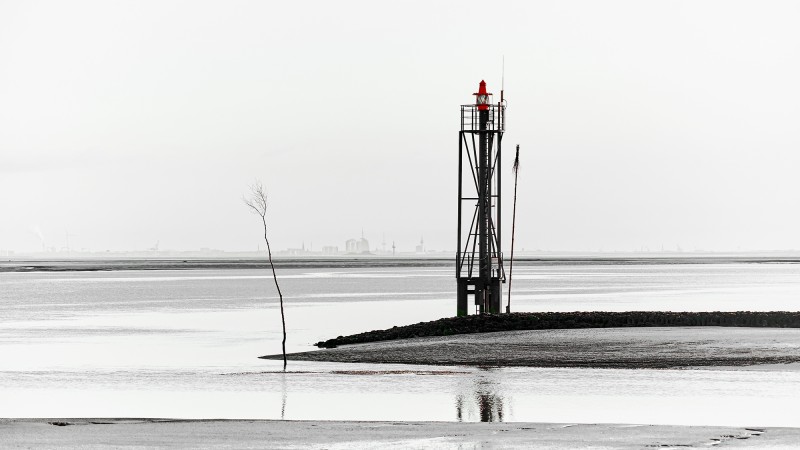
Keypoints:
pixel 283 399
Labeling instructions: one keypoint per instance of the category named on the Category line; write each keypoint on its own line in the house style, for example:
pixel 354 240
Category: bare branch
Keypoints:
pixel 258 203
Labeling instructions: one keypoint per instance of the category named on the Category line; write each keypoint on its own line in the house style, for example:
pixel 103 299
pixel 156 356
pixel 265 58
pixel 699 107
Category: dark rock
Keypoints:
pixel 571 320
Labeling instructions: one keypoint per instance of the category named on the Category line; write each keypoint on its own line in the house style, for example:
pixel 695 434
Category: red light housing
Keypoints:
pixel 482 97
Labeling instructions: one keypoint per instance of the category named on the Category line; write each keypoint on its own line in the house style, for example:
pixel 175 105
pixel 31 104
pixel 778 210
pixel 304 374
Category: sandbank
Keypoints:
pixel 632 348
pixel 164 433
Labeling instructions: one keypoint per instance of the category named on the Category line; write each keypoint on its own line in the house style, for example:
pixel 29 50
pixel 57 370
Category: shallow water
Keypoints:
pixel 183 343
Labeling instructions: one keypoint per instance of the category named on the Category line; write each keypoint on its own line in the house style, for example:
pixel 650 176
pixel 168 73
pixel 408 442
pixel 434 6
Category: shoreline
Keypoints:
pixel 105 432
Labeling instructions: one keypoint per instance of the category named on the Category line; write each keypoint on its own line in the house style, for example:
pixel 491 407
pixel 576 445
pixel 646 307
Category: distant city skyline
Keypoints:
pixel 641 124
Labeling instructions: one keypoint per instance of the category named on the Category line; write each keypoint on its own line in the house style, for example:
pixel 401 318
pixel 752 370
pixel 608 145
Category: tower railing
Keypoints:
pixel 470 118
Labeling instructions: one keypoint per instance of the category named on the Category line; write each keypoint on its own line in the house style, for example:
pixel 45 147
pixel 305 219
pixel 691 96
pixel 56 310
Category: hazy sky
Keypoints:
pixel 641 123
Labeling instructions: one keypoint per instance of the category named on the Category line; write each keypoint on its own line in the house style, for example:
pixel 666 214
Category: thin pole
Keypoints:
pixel 514 169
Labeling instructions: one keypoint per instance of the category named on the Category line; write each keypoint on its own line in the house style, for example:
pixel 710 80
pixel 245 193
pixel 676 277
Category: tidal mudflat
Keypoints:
pixel 149 433
pixel 183 344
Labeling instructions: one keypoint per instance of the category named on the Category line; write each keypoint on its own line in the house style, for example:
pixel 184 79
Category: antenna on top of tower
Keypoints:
pixel 503 79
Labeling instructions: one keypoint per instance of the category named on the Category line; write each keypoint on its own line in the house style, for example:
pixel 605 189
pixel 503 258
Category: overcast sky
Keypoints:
pixel 641 123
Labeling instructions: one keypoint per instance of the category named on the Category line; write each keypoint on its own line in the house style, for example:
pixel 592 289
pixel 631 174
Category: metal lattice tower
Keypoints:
pixel 479 260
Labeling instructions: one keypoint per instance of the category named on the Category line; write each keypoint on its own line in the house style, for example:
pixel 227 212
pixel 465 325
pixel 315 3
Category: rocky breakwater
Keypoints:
pixel 571 320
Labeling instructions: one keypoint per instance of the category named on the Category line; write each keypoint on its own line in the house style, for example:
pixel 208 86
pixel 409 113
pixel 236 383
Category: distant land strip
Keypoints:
pixel 570 320
pixel 348 262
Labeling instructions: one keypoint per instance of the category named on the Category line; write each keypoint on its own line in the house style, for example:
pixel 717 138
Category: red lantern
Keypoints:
pixel 482 97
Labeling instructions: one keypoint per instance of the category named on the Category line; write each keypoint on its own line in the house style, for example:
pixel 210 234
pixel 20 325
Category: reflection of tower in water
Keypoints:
pixel 490 406
pixel 479 400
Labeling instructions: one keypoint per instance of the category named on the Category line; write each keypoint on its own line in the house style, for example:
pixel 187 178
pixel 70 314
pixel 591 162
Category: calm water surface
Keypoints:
pixel 183 344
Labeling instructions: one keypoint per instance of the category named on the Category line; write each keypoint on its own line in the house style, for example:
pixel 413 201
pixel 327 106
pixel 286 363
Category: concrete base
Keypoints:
pixel 492 303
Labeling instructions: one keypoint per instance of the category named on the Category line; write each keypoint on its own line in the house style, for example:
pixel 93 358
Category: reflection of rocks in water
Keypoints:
pixel 481 404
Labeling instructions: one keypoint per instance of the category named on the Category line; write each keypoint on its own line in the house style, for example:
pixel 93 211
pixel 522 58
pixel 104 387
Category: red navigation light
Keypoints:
pixel 482 97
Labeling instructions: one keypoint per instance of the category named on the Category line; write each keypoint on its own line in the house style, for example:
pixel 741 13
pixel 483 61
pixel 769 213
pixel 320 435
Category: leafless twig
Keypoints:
pixel 257 201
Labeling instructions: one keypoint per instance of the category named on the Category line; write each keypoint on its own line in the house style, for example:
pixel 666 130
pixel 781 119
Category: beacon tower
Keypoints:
pixel 479 260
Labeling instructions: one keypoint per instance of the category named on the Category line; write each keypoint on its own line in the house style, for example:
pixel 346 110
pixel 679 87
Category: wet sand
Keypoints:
pixel 155 433
pixel 628 348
